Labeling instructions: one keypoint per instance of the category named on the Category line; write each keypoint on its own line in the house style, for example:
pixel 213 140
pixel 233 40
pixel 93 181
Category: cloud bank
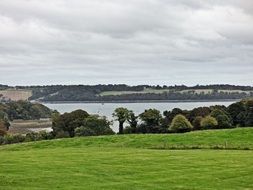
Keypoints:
pixel 134 42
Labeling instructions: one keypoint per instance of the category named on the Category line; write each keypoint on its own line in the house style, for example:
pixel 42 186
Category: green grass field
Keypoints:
pixel 220 159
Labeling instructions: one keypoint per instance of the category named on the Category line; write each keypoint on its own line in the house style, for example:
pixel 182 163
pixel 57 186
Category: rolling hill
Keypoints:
pixel 220 159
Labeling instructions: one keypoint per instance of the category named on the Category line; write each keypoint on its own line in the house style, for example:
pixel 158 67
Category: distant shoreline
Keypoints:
pixel 138 101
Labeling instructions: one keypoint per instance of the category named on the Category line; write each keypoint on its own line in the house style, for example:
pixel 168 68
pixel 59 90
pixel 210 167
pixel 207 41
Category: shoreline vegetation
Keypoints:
pixel 81 123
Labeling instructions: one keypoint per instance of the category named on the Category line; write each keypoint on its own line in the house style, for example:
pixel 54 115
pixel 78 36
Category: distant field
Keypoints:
pixel 160 91
pixel 132 162
pixel 205 91
pixel 26 126
pixel 147 90
pixel 16 95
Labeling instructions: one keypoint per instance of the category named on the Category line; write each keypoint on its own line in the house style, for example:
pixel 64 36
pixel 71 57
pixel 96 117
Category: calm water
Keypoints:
pixel 108 108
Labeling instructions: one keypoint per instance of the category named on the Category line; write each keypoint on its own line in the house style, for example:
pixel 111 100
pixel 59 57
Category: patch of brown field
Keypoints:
pixel 26 126
pixel 16 95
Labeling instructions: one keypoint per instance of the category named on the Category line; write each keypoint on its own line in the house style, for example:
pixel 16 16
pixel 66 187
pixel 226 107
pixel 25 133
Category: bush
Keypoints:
pixel 128 130
pixel 237 111
pixel 44 135
pixel 94 125
pixel 2 133
pixel 151 117
pixel 61 134
pixel 64 125
pixel 152 120
pixel 32 137
pixel 197 123
pixel 209 123
pixel 100 125
pixel 180 124
pixel 10 139
pixel 223 118
pixel 1 140
pixel 249 113
pixel 18 138
pixel 84 131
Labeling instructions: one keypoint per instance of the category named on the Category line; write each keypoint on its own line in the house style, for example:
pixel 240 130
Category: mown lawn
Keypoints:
pixel 131 162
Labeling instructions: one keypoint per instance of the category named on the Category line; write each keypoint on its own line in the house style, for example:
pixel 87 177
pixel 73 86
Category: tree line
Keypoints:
pixel 239 114
pixel 93 92
pixel 80 123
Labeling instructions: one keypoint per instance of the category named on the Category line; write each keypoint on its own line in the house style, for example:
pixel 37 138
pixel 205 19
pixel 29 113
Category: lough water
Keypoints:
pixel 107 109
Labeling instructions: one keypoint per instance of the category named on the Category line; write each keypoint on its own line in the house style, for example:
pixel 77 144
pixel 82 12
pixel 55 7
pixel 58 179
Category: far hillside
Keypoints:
pixel 15 94
pixel 125 93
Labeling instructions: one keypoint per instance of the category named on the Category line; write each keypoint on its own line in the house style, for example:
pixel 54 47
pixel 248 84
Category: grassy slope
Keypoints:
pixel 160 91
pixel 127 162
pixel 145 91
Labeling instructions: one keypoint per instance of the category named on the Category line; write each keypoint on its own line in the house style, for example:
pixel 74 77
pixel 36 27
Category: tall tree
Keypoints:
pixel 249 113
pixel 121 115
pixel 237 112
pixel 132 120
pixel 151 117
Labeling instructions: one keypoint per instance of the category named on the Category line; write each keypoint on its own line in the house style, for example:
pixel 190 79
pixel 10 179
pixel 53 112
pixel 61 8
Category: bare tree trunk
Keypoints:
pixel 121 128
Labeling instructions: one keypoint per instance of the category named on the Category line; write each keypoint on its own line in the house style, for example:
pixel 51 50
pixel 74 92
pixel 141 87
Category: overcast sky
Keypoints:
pixel 126 41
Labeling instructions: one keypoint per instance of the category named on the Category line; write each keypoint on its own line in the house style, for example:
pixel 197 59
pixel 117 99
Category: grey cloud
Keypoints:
pixel 133 42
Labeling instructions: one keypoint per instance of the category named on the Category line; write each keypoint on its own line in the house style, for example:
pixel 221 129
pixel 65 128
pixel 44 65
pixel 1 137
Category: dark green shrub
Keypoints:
pixel 18 138
pixel 151 122
pixel 10 139
pixel 249 113
pixel 128 130
pixel 237 112
pixel 197 123
pixel 151 117
pixel 223 118
pixel 64 125
pixel 84 131
pixel 32 137
pixel 1 140
pixel 94 125
pixel 44 135
pixel 61 134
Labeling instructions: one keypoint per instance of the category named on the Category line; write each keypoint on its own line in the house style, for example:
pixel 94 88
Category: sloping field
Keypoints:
pixel 145 91
pixel 16 95
pixel 132 162
pixel 160 91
